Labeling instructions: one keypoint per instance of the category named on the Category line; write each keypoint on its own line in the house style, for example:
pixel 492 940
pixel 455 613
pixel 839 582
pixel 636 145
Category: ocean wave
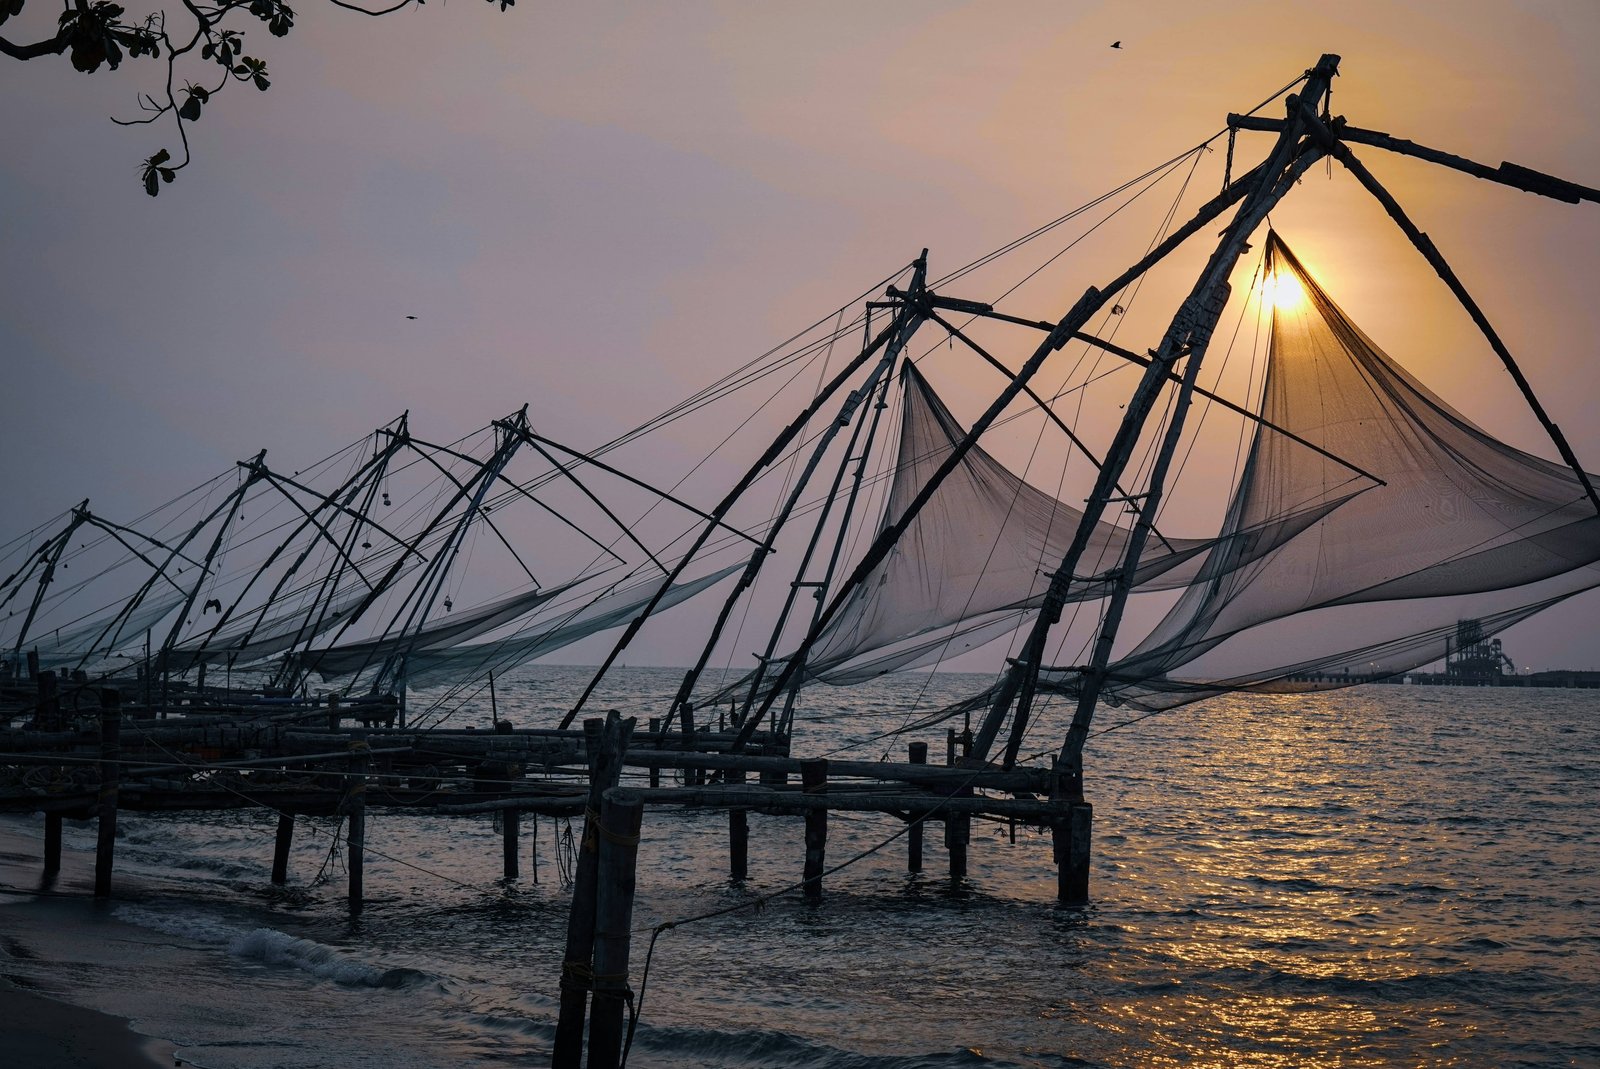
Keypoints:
pixel 762 1049
pixel 272 947
pixel 278 948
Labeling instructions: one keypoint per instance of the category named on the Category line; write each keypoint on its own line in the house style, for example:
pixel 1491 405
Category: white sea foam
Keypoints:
pixel 278 948
pixel 270 946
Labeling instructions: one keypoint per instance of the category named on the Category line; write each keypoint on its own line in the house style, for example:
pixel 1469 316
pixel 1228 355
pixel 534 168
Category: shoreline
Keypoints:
pixel 39 1027
pixel 43 1032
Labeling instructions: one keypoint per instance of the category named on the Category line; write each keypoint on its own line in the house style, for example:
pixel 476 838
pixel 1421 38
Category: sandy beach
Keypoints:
pixel 41 1033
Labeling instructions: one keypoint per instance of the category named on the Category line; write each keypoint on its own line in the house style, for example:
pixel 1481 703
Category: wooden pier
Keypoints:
pixel 306 758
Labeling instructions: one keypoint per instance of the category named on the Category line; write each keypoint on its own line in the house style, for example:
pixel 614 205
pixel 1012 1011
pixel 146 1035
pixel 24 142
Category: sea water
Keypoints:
pixel 1387 875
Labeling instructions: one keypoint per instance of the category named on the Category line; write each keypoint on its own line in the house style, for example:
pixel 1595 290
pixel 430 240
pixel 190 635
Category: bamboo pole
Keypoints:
pixel 509 821
pixel 621 814
pixel 814 780
pixel 356 806
pixel 738 832
pixel 918 756
pixel 280 848
pixel 607 740
pixel 110 765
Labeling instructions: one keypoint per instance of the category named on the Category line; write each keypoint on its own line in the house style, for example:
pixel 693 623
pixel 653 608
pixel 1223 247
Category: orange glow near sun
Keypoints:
pixel 1284 291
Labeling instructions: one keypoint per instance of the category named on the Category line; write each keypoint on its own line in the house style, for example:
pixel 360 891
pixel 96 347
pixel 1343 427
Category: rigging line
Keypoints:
pixel 1071 244
pixel 1257 365
pixel 508 658
pixel 760 901
pixel 1105 196
pixel 777 507
pixel 995 541
pixel 1206 409
pixel 728 437
pixel 1078 607
pixel 651 424
pixel 1160 173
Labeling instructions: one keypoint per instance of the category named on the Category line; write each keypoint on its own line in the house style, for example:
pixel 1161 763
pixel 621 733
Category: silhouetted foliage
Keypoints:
pixel 96 34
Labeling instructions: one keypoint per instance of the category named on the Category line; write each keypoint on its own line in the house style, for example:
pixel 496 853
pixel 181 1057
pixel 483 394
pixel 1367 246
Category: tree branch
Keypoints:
pixel 53 47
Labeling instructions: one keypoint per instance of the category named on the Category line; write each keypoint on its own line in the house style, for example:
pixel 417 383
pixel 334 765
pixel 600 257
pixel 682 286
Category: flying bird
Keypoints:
pixel 411 317
pixel 1116 44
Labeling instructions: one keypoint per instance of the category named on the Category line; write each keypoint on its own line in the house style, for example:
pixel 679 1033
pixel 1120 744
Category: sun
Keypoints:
pixel 1284 291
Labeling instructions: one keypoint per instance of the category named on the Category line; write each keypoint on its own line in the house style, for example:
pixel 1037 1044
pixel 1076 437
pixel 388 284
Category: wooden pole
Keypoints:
pixel 356 806
pixel 605 742
pixel 620 817
pixel 280 849
pixel 52 843
pixel 957 833
pixel 1072 855
pixel 655 733
pixel 918 756
pixel 738 833
pixel 508 841
pixel 110 752
pixel 814 780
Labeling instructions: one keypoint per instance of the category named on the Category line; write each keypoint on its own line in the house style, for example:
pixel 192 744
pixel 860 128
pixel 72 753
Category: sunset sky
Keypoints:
pixel 597 209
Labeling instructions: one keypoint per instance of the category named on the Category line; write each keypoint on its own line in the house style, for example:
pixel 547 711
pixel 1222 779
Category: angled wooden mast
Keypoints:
pixel 1292 157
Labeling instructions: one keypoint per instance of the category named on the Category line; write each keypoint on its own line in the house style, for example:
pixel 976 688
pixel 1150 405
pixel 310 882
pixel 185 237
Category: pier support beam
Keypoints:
pixel 52 843
pixel 918 755
pixel 738 833
pixel 110 773
pixel 509 821
pixel 620 817
pixel 957 834
pixel 1072 855
pixel 655 734
pixel 605 741
pixel 356 814
pixel 814 780
pixel 280 848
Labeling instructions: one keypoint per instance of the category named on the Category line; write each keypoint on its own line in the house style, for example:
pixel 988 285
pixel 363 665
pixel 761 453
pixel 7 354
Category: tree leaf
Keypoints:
pixel 151 186
pixel 190 110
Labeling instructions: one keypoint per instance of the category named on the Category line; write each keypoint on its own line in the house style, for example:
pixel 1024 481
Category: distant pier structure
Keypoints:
pixel 1474 661
pixel 1471 660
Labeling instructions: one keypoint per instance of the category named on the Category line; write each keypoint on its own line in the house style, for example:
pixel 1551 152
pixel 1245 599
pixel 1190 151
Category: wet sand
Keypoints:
pixel 42 1033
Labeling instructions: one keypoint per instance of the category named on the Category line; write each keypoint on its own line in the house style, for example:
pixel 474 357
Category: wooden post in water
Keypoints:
pixel 333 712
pixel 957 833
pixel 655 733
pixel 1072 854
pixel 33 663
pixel 605 741
pixel 510 820
pixel 52 843
pixel 110 772
pixel 917 755
pixel 280 848
pixel 950 748
pixel 621 814
pixel 738 832
pixel 814 780
pixel 356 809
pixel 692 777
